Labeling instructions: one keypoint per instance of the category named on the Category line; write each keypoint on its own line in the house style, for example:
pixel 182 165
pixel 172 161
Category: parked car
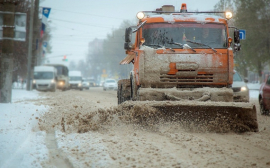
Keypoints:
pixel 86 84
pixel 240 89
pixel 264 97
pixel 110 84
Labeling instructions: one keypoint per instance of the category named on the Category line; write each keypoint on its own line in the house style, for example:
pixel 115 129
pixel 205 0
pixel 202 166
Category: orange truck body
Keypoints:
pixel 180 67
pixel 183 66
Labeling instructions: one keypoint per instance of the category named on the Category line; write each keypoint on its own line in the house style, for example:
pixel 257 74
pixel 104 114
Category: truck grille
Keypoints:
pixel 199 79
pixel 42 86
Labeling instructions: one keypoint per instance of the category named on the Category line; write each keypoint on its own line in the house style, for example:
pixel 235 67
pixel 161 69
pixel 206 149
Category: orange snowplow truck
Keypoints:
pixel 183 63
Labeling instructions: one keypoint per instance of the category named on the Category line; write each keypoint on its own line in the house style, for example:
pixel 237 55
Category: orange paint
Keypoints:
pixel 222 59
pixel 173 69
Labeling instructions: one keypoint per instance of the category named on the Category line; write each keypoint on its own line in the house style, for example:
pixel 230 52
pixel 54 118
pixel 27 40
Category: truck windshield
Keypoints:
pixel 75 78
pixel 170 35
pixel 43 75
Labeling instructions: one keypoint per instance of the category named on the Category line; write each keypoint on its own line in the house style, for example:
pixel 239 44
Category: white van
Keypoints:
pixel 45 78
pixel 75 80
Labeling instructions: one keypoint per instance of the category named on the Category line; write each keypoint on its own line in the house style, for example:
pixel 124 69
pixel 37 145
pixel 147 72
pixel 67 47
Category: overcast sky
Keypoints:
pixel 75 23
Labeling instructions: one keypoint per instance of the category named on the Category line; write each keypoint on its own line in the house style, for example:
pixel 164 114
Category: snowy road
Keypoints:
pixel 70 129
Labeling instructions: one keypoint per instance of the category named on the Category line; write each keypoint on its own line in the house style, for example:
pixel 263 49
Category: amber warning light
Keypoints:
pixel 183 8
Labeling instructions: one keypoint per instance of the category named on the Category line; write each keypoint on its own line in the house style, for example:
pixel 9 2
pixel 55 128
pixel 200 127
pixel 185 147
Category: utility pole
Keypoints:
pixel 36 35
pixel 30 43
pixel 6 57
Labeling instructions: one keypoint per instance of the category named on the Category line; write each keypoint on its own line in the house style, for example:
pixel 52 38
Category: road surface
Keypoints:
pixel 84 129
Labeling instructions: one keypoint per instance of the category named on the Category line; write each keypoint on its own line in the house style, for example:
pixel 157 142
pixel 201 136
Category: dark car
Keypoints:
pixel 264 97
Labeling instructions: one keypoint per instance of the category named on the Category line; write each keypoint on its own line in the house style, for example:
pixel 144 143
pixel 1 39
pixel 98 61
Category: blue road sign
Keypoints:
pixel 45 44
pixel 46 12
pixel 242 34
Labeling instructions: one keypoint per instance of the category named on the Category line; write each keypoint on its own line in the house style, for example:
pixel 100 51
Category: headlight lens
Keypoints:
pixel 140 15
pixel 244 88
pixel 79 84
pixel 52 81
pixel 34 81
pixel 228 15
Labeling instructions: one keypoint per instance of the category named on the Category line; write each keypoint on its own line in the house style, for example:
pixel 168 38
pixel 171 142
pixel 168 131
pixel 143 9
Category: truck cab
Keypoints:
pixel 183 50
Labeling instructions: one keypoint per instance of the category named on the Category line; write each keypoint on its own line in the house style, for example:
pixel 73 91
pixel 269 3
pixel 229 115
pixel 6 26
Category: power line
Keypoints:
pixel 79 23
pixel 86 13
pixel 77 35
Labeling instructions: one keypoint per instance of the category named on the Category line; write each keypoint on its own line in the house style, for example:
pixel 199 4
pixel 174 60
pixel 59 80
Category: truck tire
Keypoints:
pixel 263 111
pixel 123 92
pixel 134 88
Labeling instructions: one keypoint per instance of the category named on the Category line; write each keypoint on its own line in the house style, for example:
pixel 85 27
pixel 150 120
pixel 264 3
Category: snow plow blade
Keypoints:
pixel 209 116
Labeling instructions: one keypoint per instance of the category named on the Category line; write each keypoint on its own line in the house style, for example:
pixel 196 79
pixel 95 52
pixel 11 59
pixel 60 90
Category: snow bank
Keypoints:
pixel 19 145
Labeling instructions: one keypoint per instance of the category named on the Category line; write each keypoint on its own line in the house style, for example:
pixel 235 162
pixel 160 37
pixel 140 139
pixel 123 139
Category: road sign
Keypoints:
pixel 104 75
pixel 45 44
pixel 242 34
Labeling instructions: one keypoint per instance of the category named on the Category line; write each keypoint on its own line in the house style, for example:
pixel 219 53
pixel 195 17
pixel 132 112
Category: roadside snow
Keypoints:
pixel 87 146
pixel 19 145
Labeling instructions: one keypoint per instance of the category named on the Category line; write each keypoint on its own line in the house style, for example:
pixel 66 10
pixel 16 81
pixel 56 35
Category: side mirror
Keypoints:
pixel 128 35
pixel 236 36
pixel 237 45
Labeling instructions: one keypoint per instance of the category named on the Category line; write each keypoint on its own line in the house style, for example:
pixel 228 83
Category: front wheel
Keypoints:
pixel 119 94
pixel 134 88
pixel 262 108
pixel 123 93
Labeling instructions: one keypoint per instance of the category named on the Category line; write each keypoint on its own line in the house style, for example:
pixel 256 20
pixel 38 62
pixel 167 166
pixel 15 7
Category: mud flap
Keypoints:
pixel 211 116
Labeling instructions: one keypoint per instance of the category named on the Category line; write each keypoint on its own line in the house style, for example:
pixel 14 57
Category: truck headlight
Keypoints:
pixel 140 15
pixel 52 81
pixel 79 84
pixel 228 15
pixel 34 81
pixel 244 88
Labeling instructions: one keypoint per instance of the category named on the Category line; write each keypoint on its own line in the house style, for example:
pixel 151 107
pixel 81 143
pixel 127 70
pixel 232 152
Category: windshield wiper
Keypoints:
pixel 186 46
pixel 201 44
pixel 179 44
pixel 156 45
